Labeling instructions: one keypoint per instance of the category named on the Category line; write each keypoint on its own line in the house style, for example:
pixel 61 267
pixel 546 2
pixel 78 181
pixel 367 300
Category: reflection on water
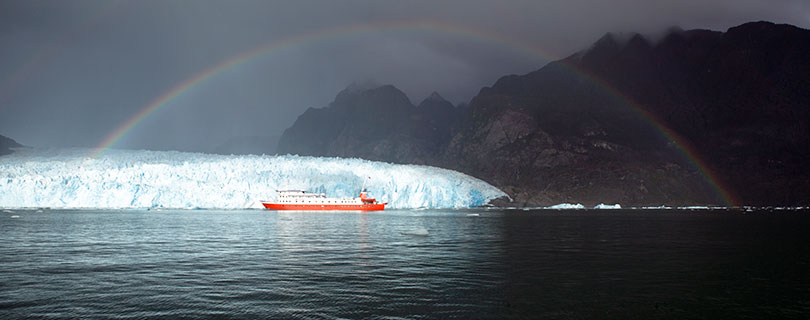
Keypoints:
pixel 430 263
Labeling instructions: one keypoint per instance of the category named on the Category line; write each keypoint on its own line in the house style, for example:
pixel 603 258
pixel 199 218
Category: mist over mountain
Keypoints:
pixel 690 117
pixel 588 128
pixel 247 145
pixel 375 124
pixel 6 144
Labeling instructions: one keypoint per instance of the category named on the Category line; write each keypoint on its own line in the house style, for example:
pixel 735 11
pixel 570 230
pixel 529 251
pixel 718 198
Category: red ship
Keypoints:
pixel 301 200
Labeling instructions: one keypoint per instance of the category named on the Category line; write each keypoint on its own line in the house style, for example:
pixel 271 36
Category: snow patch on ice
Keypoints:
pixel 69 178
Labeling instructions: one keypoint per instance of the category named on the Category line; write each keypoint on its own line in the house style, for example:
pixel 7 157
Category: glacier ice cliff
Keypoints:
pixel 70 178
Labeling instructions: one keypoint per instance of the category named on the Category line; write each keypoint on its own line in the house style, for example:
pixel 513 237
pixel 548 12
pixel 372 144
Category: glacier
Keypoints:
pixel 71 178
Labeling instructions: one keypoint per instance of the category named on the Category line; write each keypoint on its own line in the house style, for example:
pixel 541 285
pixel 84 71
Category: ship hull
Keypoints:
pixel 325 207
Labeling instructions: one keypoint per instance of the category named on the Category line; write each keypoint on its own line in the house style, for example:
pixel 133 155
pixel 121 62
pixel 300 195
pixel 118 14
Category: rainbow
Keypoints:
pixel 297 40
pixel 166 98
pixel 684 146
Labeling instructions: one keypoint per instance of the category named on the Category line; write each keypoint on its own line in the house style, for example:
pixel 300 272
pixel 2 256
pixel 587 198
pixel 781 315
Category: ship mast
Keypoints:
pixel 364 185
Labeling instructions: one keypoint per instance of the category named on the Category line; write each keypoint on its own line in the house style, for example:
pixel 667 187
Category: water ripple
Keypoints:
pixel 257 264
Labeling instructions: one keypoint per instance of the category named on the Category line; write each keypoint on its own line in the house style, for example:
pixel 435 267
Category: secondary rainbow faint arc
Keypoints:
pixel 682 144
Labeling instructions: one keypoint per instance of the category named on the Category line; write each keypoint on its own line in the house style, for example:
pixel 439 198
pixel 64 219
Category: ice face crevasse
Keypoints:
pixel 69 178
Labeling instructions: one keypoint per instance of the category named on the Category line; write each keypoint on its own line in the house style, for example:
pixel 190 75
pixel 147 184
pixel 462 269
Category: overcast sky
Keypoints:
pixel 72 72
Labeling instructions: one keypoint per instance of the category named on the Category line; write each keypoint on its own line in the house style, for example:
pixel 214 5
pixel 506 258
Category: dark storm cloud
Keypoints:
pixel 71 72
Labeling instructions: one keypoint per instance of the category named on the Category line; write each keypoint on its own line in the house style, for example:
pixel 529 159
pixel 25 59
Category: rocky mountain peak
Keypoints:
pixel 553 135
pixel 765 35
pixel 6 144
pixel 435 96
pixel 356 88
pixel 607 42
pixel 637 43
pixel 434 101
pixel 375 99
pixel 438 114
pixel 360 86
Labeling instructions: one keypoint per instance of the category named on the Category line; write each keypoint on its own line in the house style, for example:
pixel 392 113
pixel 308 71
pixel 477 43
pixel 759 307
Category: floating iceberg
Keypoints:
pixel 607 206
pixel 567 206
pixel 69 178
pixel 694 208
pixel 662 207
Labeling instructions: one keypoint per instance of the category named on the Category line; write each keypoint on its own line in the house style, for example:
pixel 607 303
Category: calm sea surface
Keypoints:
pixel 405 264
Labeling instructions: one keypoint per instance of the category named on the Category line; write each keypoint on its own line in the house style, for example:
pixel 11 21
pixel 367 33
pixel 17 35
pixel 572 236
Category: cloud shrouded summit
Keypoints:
pixel 73 72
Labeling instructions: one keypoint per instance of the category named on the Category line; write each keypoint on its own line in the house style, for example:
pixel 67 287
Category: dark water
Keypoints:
pixel 405 264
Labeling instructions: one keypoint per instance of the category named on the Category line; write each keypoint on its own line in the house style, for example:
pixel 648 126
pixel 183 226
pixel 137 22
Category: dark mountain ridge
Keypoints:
pixel 6 144
pixel 376 124
pixel 588 128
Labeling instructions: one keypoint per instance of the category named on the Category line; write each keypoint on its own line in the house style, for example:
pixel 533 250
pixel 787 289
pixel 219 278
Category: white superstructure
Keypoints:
pixel 302 197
